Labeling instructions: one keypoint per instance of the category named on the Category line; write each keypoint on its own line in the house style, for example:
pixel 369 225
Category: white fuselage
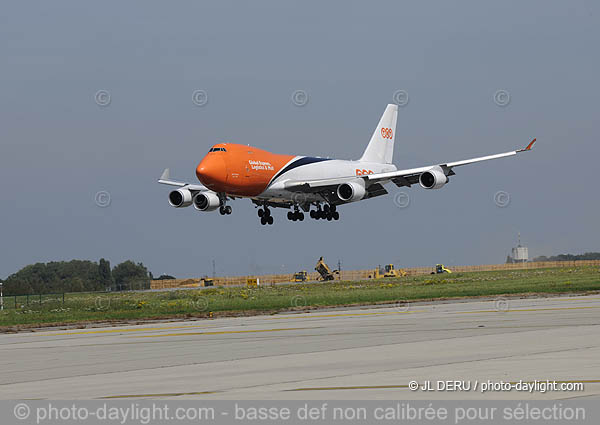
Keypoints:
pixel 326 169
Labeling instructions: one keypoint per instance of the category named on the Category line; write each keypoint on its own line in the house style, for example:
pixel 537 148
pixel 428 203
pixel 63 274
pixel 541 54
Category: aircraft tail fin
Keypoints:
pixel 381 146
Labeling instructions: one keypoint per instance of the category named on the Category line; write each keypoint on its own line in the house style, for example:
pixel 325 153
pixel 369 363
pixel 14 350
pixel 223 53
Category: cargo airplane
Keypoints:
pixel 304 183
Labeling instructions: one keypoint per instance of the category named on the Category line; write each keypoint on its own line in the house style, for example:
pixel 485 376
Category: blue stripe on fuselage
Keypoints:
pixel 305 160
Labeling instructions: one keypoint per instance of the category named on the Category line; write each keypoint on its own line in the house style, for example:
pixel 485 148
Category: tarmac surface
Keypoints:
pixel 366 353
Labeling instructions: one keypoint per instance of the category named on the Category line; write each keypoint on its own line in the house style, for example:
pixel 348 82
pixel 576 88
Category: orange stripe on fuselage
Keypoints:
pixel 240 170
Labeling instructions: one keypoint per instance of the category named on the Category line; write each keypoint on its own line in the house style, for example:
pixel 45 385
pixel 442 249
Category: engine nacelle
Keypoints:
pixel 352 191
pixel 433 179
pixel 206 201
pixel 180 198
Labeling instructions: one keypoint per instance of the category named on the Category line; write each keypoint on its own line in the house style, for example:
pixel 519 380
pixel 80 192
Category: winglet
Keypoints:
pixel 529 146
pixel 166 175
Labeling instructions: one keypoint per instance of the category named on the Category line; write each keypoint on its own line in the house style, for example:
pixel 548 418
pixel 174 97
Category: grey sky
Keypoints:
pixel 59 148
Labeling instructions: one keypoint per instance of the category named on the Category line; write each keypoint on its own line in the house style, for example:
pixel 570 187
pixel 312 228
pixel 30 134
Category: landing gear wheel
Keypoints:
pixel 290 215
pixel 301 216
pixel 270 219
pixel 312 214
pixel 329 217
pixel 263 220
pixel 264 212
pixel 336 215
pixel 228 210
pixel 332 208
pixel 222 210
pixel 326 208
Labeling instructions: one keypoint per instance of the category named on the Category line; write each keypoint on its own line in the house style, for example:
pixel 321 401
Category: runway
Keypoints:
pixel 366 353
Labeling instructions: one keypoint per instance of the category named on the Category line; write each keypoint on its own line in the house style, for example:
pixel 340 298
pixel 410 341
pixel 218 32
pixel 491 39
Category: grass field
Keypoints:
pixel 218 301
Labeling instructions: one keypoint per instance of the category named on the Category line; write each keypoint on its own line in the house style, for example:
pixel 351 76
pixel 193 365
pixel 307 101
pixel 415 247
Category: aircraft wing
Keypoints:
pixel 401 178
pixel 165 178
pixel 411 176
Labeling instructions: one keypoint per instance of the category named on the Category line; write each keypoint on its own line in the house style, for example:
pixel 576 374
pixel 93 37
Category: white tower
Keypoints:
pixel 520 254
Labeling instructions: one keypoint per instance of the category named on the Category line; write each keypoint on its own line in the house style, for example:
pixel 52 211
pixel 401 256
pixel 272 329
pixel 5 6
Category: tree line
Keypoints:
pixel 570 257
pixel 77 276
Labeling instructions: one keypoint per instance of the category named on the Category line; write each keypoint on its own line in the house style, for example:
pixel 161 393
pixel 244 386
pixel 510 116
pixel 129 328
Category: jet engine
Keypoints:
pixel 180 198
pixel 351 191
pixel 206 201
pixel 433 178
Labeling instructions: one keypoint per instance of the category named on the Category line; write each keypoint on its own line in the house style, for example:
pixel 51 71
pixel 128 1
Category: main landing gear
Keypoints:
pixel 329 212
pixel 265 215
pixel 295 215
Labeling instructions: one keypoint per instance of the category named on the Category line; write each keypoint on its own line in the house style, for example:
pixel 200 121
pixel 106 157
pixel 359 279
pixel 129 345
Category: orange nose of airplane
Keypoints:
pixel 212 171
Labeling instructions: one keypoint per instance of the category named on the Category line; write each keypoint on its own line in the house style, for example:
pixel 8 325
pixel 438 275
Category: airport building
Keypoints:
pixel 520 254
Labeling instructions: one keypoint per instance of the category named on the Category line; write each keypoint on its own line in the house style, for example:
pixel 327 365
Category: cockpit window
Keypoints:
pixel 217 150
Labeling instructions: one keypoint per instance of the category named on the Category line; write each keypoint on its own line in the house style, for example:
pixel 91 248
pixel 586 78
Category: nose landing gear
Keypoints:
pixel 225 210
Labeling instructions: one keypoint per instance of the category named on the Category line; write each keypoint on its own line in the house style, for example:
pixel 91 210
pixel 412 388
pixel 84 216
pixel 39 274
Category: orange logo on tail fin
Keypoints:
pixel 386 133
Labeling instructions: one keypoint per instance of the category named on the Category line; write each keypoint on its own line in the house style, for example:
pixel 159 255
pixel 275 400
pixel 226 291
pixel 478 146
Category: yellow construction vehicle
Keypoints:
pixel 301 276
pixel 388 271
pixel 440 268
pixel 324 270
